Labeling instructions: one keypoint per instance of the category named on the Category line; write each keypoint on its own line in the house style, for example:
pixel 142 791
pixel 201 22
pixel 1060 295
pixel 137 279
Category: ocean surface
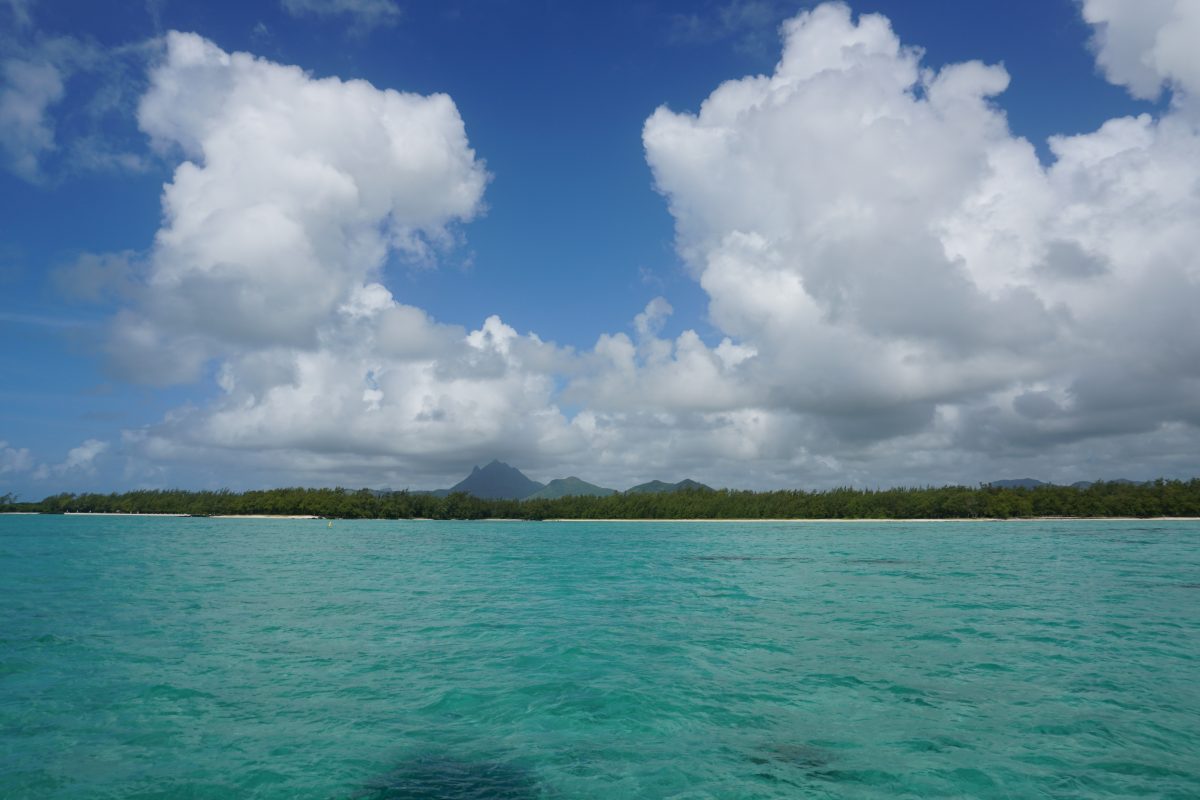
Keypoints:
pixel 201 658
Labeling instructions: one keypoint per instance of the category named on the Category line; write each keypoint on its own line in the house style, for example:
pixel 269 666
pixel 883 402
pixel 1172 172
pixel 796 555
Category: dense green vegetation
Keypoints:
pixel 1159 498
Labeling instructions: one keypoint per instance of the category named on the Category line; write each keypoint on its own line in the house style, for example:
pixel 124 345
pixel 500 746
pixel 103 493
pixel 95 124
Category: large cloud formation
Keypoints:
pixel 906 293
pixel 292 193
pixel 905 266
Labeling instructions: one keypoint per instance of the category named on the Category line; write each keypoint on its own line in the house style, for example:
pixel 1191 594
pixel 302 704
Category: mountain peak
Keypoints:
pixel 497 481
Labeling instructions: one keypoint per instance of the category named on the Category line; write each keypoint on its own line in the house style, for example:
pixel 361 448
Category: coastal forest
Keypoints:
pixel 1161 498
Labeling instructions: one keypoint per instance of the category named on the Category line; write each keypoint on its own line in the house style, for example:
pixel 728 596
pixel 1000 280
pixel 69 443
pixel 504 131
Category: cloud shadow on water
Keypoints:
pixel 445 777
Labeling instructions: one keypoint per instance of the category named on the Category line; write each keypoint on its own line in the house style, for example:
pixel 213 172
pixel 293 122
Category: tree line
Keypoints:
pixel 1161 498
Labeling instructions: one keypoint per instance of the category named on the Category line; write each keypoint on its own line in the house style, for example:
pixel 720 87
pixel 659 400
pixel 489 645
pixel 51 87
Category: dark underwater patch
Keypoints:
pixel 440 777
pixel 749 558
pixel 805 757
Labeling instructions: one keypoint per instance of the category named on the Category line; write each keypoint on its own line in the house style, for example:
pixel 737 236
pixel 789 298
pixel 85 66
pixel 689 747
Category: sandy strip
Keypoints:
pixel 264 516
pixel 113 514
pixel 213 516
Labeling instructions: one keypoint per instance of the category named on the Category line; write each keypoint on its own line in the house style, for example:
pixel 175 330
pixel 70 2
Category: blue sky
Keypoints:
pixel 580 223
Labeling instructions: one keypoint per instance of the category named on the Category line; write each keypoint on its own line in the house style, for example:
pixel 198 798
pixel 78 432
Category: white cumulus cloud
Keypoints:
pixel 901 290
pixel 291 195
pixel 14 459
pixel 84 456
pixel 79 461
pixel 903 264
pixel 1148 45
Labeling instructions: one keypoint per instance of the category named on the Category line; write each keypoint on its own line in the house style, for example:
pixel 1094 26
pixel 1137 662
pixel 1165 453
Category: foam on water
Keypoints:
pixel 167 657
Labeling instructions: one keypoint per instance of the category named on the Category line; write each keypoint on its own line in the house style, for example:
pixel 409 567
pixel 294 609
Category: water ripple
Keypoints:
pixel 161 658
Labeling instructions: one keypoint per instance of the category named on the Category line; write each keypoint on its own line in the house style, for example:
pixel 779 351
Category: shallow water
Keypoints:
pixel 196 658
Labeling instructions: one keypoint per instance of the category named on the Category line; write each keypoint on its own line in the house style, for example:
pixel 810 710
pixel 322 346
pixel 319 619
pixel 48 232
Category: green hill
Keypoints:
pixel 570 487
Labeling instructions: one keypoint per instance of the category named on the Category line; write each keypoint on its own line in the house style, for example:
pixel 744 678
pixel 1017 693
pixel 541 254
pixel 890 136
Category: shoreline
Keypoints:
pixel 111 514
pixel 164 514
pixel 823 520
pixel 263 516
pixel 888 519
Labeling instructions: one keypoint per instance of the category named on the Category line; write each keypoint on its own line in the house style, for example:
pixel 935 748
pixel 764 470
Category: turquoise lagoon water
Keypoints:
pixel 197 658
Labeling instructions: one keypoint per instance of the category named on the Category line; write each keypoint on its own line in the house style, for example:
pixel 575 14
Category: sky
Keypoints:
pixel 758 244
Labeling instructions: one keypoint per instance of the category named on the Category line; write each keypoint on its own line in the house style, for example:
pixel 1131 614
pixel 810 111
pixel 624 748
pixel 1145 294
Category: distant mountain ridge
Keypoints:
pixel 1033 483
pixel 570 487
pixel 660 487
pixel 500 481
